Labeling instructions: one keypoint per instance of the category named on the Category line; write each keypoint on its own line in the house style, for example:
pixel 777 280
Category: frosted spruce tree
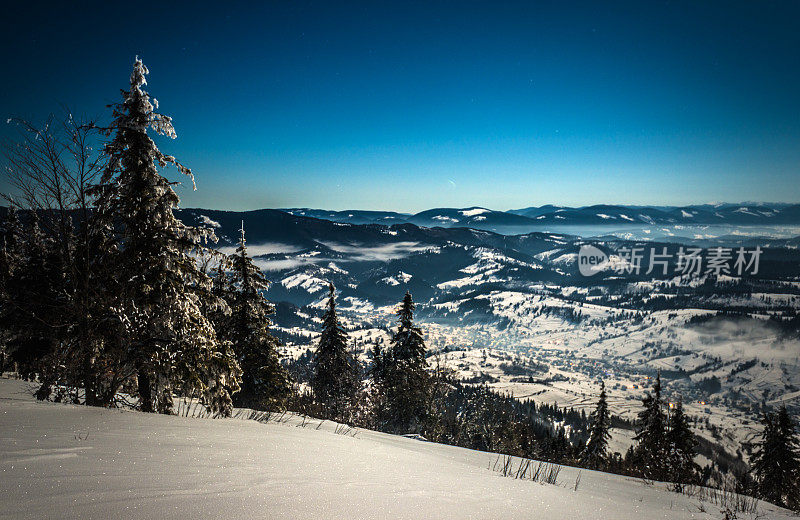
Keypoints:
pixel 776 460
pixel 336 373
pixel 594 454
pixel 169 343
pixel 650 453
pixel 265 383
pixel 681 445
pixel 405 380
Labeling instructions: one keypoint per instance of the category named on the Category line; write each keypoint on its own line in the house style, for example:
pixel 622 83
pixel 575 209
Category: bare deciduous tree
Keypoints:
pixel 51 169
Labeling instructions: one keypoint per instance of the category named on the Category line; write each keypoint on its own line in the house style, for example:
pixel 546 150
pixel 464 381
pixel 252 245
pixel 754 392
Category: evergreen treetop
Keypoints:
pixel 336 376
pixel 681 443
pixel 168 339
pixel 404 385
pixel 652 449
pixel 594 454
pixel 264 381
pixel 776 460
pixel 407 343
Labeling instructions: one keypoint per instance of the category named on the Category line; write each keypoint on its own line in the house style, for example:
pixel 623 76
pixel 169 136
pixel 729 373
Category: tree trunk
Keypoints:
pixel 89 381
pixel 145 391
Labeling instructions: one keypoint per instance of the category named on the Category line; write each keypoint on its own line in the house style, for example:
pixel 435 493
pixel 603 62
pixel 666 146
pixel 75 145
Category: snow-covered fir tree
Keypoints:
pixel 682 444
pixel 776 460
pixel 404 379
pixel 407 343
pixel 594 454
pixel 650 453
pixel 336 373
pixel 265 382
pixel 167 339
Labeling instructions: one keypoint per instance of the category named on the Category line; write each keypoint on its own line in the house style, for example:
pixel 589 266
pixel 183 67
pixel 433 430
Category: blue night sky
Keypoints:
pixel 407 106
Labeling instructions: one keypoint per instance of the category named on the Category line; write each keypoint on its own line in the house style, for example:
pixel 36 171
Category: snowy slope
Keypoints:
pixel 64 461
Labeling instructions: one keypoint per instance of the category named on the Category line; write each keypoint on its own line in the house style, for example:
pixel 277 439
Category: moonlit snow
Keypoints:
pixel 64 461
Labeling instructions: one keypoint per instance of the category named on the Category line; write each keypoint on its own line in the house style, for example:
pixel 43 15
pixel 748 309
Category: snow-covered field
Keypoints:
pixel 63 461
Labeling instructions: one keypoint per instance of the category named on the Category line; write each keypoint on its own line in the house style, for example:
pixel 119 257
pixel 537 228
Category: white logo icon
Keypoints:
pixel 591 260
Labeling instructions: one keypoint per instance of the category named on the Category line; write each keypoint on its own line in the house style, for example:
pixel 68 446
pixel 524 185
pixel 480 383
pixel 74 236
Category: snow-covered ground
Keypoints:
pixel 63 461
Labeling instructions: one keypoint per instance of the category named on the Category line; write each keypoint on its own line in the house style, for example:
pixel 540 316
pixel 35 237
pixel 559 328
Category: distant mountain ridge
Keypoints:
pixel 372 262
pixel 599 214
